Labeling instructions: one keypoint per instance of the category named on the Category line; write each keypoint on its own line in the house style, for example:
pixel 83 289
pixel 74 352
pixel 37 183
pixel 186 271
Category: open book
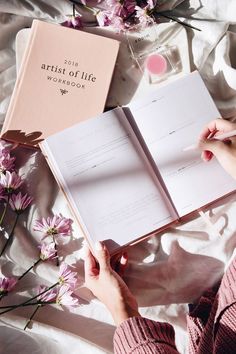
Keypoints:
pixel 125 174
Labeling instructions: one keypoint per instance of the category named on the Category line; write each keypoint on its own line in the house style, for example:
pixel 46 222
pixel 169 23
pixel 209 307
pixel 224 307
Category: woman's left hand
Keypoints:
pixel 107 285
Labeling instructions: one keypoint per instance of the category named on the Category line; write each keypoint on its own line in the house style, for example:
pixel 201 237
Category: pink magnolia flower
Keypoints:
pixel 130 6
pixel 48 296
pixel 65 297
pixel 10 181
pixel 143 15
pixel 121 9
pixel 118 9
pixel 3 148
pixel 6 161
pixel 56 225
pixel 118 24
pixel 112 3
pixel 103 18
pixel 73 22
pixel 19 202
pixel 47 251
pixel 67 276
pixel 151 4
pixel 6 285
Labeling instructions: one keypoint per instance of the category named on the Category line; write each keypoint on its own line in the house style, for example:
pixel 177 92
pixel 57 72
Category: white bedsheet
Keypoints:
pixel 165 272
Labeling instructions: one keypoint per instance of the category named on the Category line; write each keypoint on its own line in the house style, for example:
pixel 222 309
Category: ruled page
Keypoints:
pixel 113 192
pixel 171 119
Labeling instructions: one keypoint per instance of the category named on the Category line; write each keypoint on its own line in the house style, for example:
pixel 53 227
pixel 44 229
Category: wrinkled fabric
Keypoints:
pixel 165 272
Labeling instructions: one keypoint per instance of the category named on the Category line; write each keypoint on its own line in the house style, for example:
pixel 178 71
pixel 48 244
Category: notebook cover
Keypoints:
pixel 64 78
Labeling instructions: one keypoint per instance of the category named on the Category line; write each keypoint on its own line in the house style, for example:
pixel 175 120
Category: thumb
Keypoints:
pixel 102 255
pixel 212 145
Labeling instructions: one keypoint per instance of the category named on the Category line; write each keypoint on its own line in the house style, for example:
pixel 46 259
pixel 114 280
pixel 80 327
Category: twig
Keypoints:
pixel 5 209
pixel 177 20
pixel 27 271
pixel 27 301
pixel 31 317
pixel 10 236
pixel 56 252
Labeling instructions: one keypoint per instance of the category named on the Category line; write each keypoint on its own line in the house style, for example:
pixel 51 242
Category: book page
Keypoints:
pixel 170 120
pixel 108 182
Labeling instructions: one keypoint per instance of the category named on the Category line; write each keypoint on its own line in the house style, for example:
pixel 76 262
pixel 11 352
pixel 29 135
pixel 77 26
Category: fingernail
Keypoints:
pixel 98 246
pixel 123 260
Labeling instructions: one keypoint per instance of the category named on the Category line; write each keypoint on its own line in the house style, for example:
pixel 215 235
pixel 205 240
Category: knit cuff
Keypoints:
pixel 136 334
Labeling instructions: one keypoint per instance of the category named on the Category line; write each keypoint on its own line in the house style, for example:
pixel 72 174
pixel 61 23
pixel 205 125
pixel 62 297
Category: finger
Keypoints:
pixel 207 155
pixel 207 133
pixel 119 263
pixel 123 263
pixel 213 146
pixel 210 129
pixel 124 259
pixel 116 259
pixel 103 256
pixel 218 125
pixel 90 268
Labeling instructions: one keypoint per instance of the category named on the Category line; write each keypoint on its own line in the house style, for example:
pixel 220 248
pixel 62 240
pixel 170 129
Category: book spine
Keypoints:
pixel 150 163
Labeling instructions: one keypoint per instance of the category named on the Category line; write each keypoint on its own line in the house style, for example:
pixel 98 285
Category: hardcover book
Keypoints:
pixel 64 78
pixel 125 173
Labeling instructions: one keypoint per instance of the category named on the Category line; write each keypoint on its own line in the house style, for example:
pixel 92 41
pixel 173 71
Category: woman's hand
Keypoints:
pixel 107 285
pixel 224 151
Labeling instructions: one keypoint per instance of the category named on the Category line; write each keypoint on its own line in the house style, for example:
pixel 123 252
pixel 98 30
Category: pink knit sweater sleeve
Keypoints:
pixel 139 335
pixel 212 324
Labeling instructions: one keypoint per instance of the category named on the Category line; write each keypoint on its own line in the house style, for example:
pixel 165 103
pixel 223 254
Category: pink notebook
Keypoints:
pixel 64 79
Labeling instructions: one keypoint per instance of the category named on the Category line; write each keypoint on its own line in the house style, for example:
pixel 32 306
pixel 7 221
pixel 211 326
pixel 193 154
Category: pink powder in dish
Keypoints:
pixel 156 64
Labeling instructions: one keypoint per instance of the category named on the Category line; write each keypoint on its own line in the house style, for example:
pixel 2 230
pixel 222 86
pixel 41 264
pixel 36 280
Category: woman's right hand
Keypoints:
pixel 224 151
